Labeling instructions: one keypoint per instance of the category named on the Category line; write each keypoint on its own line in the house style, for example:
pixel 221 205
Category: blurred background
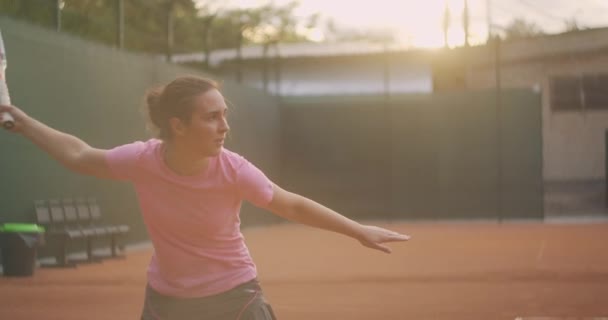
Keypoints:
pixel 401 113
pixel 391 109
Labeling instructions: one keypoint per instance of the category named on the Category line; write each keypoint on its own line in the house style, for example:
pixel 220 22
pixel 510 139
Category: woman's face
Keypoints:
pixel 206 132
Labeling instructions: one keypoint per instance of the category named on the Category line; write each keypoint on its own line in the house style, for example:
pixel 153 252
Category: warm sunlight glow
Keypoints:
pixel 413 22
pixel 315 34
pixel 426 40
pixel 423 26
pixel 420 22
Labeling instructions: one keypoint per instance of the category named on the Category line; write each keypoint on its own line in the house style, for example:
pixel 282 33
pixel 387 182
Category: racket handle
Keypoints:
pixel 5 118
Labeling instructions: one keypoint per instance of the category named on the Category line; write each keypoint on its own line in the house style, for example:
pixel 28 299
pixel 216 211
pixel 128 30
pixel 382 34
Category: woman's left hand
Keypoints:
pixel 375 237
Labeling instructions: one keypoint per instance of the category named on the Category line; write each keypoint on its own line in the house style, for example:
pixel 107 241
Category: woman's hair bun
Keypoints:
pixel 154 106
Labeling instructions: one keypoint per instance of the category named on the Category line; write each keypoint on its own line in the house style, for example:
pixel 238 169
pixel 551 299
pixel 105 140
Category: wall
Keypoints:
pixel 573 141
pixel 96 93
pixel 338 75
pixel 451 155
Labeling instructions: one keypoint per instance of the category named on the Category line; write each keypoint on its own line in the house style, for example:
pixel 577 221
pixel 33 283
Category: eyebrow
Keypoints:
pixel 216 111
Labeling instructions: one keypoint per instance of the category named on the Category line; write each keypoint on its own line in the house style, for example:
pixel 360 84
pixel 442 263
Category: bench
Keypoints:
pixel 76 220
pixel 89 213
pixel 50 215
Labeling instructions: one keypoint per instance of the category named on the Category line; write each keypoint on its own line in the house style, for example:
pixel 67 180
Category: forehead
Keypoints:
pixel 210 101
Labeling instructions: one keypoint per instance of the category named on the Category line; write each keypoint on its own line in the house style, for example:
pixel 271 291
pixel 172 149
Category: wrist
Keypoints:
pixel 27 125
pixel 357 230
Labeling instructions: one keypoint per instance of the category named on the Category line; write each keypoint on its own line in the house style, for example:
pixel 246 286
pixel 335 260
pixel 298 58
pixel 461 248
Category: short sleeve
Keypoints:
pixel 253 185
pixel 122 160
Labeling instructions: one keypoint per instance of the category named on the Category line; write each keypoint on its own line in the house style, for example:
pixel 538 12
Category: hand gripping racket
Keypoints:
pixel 5 118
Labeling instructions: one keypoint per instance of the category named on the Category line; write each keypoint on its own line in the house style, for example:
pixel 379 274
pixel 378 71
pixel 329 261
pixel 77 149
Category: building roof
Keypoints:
pixel 291 50
pixel 574 42
pixel 563 44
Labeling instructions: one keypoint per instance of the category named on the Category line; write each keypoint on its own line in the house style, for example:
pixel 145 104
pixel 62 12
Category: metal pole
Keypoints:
pixel 499 127
pixel 208 22
pixel 58 15
pixel 120 23
pixel 489 19
pixel 169 30
pixel 388 167
pixel 498 87
pixel 277 70
pixel 265 48
pixel 465 22
pixel 386 73
pixel 239 56
pixel 446 24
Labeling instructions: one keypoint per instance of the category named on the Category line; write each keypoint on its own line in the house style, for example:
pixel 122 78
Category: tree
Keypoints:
pixel 572 25
pixel 447 19
pixel 89 19
pixel 207 15
pixel 520 28
pixel 275 25
pixel 195 27
pixel 335 33
pixel 266 25
pixel 35 11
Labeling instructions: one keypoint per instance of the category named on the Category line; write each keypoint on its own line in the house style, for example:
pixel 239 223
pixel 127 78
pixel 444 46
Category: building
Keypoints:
pixel 305 69
pixel 570 70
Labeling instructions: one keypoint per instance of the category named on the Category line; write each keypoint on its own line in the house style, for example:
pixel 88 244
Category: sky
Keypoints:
pixel 419 22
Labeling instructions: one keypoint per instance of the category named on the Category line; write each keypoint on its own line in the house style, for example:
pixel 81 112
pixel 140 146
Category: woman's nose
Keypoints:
pixel 225 127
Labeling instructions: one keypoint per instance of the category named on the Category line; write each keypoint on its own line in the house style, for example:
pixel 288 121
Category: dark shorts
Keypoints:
pixel 245 302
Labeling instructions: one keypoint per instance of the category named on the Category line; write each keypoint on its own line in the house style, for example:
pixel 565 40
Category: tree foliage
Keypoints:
pixel 195 27
pixel 520 28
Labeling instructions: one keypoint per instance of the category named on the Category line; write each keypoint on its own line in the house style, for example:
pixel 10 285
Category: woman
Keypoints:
pixel 190 191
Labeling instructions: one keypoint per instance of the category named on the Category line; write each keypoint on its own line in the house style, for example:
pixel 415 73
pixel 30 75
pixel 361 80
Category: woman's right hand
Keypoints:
pixel 375 237
pixel 18 116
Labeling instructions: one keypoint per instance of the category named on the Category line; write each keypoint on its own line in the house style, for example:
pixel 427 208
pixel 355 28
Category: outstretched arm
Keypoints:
pixel 68 150
pixel 299 209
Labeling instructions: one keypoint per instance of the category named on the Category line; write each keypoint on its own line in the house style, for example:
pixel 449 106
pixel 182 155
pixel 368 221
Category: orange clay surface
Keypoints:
pixel 447 271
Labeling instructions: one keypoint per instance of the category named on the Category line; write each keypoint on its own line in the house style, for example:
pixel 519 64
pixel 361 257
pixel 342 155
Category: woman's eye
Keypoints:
pixel 216 116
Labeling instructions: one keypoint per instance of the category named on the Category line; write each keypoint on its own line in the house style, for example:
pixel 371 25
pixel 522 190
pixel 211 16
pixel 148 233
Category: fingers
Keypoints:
pixel 382 248
pixel 390 238
pixel 7 109
pixel 8 118
pixel 398 237
pixel 376 237
pixel 386 249
pixel 390 235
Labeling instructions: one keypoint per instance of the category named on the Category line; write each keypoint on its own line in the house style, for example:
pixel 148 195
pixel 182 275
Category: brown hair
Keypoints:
pixel 175 100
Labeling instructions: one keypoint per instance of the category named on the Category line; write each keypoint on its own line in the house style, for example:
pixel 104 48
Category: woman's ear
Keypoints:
pixel 177 126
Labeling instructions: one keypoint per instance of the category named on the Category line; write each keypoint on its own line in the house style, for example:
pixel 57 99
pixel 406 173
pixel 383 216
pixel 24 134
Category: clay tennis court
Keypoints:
pixel 447 271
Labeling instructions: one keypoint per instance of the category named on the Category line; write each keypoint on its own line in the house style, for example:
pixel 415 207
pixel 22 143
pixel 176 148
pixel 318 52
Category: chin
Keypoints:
pixel 213 152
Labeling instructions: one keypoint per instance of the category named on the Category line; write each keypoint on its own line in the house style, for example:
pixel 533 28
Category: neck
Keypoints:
pixel 182 161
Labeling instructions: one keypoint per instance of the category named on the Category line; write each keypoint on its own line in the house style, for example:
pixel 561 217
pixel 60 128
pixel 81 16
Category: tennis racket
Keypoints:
pixel 5 99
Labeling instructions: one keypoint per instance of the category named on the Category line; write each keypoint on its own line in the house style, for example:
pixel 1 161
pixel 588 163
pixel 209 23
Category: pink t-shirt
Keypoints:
pixel 193 221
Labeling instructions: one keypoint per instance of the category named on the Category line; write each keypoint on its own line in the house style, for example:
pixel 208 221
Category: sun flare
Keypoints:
pixel 417 23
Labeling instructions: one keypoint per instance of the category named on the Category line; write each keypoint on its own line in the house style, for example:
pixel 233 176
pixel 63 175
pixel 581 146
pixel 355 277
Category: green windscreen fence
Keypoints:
pixel 96 93
pixel 439 156
pixel 453 155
